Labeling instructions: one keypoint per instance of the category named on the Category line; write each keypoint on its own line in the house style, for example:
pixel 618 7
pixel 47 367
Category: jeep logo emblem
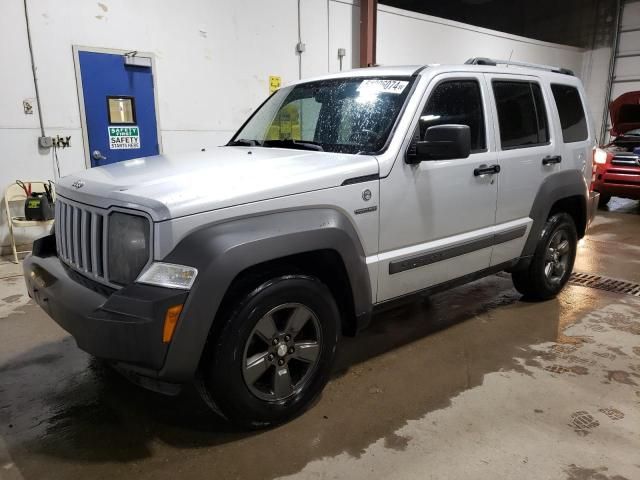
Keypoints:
pixel 77 184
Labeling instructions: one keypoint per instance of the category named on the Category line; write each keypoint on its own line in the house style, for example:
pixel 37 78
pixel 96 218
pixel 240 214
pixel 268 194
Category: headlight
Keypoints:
pixel 169 275
pixel 600 156
pixel 127 247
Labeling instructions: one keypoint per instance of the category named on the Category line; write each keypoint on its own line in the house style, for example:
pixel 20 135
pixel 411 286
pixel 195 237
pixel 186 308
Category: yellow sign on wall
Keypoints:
pixel 274 83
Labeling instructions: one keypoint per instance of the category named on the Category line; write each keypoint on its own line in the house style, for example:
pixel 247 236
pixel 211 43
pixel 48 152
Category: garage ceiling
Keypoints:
pixel 582 23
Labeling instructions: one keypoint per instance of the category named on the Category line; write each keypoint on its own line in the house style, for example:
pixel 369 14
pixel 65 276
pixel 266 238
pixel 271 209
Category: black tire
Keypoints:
pixel 536 283
pixel 604 200
pixel 225 366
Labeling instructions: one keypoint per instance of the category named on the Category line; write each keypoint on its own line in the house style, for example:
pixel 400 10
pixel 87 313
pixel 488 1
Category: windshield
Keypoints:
pixel 347 115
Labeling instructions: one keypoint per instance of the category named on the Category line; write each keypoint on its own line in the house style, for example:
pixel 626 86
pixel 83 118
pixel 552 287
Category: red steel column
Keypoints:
pixel 368 28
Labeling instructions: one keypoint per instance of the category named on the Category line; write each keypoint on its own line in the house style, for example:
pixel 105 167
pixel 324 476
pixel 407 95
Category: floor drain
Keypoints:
pixel 605 283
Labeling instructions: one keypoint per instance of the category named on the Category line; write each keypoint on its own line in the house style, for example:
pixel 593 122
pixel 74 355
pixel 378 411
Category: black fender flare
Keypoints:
pixel 555 187
pixel 223 250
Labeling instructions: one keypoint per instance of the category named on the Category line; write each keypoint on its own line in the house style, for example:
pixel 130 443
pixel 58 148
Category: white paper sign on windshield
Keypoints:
pixel 383 86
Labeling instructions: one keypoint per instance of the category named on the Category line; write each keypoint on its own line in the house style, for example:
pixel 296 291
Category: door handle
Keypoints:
pixel 551 160
pixel 97 155
pixel 486 170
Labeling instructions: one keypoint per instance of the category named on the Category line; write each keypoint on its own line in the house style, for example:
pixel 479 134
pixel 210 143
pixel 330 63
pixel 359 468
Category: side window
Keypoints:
pixel 541 113
pixel 521 114
pixel 456 102
pixel 571 111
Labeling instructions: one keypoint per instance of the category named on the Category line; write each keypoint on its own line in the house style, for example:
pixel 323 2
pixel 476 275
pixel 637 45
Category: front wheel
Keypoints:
pixel 274 354
pixel 552 261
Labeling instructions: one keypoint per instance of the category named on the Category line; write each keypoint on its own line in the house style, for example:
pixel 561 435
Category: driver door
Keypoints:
pixel 437 217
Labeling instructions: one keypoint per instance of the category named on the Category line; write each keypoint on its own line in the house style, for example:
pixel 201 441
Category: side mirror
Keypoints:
pixel 444 142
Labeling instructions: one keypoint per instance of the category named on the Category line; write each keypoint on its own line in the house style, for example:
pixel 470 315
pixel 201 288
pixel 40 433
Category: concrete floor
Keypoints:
pixel 471 383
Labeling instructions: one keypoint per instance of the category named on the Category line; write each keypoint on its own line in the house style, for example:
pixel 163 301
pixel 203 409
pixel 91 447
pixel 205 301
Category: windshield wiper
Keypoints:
pixel 243 142
pixel 290 143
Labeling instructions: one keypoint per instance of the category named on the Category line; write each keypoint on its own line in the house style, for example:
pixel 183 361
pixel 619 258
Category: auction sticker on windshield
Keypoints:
pixel 121 138
pixel 383 86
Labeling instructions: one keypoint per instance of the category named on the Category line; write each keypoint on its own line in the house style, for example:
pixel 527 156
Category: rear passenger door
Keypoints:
pixel 527 154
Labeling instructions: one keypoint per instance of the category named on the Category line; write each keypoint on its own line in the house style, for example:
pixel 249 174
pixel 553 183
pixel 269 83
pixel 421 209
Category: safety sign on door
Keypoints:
pixel 122 138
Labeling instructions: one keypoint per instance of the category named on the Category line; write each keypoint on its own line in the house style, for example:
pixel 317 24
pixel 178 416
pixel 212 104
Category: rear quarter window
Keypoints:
pixel 571 111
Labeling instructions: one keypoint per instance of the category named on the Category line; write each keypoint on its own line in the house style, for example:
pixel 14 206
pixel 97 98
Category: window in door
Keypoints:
pixel 122 110
pixel 571 112
pixel 522 115
pixel 456 102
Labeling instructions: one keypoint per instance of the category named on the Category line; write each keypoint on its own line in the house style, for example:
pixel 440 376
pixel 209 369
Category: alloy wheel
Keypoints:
pixel 557 257
pixel 282 352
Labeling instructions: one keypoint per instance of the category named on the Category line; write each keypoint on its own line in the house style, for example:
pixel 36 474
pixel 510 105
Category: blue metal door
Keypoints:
pixel 119 108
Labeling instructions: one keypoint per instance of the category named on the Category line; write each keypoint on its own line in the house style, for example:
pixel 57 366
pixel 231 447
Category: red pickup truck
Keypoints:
pixel 617 164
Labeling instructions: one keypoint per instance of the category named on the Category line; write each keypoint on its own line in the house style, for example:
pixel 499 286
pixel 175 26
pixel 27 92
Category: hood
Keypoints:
pixel 625 113
pixel 170 186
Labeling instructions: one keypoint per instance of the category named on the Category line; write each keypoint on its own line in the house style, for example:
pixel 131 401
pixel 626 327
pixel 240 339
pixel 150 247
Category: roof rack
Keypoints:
pixel 494 62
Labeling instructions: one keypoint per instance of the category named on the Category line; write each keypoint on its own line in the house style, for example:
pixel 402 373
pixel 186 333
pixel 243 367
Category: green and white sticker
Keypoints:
pixel 124 138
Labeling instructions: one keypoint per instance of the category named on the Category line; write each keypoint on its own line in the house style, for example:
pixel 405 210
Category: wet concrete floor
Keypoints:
pixel 470 383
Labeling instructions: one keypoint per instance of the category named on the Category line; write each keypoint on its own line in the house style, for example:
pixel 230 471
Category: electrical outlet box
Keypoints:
pixel 342 52
pixel 45 142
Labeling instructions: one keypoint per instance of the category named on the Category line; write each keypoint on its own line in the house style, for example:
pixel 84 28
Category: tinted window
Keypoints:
pixel 541 113
pixel 456 102
pixel 521 114
pixel 571 111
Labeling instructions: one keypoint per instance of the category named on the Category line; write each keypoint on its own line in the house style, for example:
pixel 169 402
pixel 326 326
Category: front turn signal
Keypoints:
pixel 170 322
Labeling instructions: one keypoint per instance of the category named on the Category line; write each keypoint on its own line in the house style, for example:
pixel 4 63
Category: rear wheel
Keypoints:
pixel 552 261
pixel 274 354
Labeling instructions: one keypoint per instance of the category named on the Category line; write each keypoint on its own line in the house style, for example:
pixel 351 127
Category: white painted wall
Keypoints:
pixel 213 59
pixel 595 72
pixel 407 38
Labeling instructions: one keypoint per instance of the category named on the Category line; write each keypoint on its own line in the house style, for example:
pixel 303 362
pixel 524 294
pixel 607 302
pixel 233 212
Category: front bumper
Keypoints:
pixel 618 181
pixel 123 326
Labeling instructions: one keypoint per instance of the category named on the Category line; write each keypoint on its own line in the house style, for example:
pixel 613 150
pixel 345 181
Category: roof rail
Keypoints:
pixel 494 62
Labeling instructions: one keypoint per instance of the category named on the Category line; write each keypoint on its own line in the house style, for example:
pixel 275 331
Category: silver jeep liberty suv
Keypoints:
pixel 238 268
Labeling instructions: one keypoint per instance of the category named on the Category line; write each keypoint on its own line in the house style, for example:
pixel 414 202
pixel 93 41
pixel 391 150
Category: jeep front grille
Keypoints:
pixel 81 238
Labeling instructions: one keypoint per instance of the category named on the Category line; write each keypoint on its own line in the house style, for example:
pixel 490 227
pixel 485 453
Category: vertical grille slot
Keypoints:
pixel 85 240
pixel 60 216
pixel 77 258
pixel 56 226
pixel 68 232
pixel 96 242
